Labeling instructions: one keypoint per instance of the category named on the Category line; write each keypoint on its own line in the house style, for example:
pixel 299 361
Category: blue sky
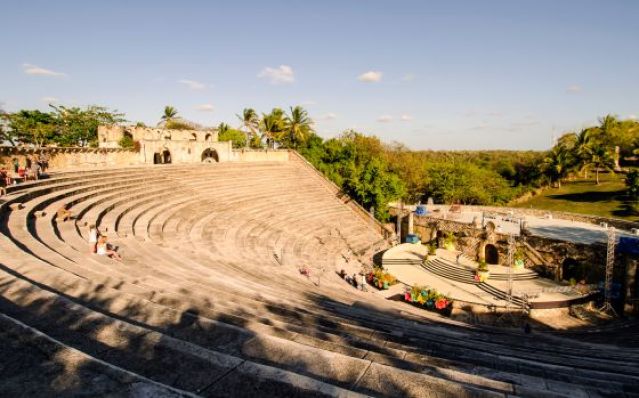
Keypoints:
pixel 433 75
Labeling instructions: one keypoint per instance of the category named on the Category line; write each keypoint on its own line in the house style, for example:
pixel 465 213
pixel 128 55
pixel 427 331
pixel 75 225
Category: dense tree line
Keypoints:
pixel 62 126
pixel 371 172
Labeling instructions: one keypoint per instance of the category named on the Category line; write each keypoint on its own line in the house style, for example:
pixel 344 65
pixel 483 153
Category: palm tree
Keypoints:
pixel 223 128
pixel 272 125
pixel 600 158
pixel 169 113
pixel 250 121
pixel 557 164
pixel 586 140
pixel 298 126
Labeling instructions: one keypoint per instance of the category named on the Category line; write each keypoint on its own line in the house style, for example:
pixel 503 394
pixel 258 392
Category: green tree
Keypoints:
pixel 225 133
pixel 79 127
pixel 600 158
pixel 632 184
pixel 466 183
pixel 297 127
pixel 557 164
pixel 370 184
pixel 272 125
pixel 169 113
pixel 33 127
pixel 250 122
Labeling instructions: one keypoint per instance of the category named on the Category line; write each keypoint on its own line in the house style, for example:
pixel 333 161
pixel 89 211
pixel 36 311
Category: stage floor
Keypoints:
pixel 453 279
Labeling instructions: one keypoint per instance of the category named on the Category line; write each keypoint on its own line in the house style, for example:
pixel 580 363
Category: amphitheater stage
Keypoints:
pixel 454 277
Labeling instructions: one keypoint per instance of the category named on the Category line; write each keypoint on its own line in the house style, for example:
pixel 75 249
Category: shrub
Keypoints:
pixel 482 267
pixel 177 125
pixel 127 142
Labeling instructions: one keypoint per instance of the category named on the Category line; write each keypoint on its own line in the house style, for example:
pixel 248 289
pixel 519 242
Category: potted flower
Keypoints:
pixel 519 259
pixel 432 250
pixel 482 273
pixel 449 241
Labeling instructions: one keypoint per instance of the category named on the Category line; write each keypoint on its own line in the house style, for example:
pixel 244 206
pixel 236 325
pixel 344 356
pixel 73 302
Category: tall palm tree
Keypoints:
pixel 250 122
pixel 601 158
pixel 272 125
pixel 169 113
pixel 556 164
pixel 586 140
pixel 298 126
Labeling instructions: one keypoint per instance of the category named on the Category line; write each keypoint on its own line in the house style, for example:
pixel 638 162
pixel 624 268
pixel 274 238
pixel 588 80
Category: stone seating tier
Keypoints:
pixel 200 306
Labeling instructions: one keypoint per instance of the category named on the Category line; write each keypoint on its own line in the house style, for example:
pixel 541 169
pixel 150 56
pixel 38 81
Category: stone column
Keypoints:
pixel 630 286
pixel 411 222
pixel 400 212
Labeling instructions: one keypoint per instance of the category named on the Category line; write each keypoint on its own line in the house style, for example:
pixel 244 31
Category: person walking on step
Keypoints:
pixel 63 214
pixel 103 248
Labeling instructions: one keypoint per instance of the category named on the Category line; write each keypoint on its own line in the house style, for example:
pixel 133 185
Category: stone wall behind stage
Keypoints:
pixel 71 158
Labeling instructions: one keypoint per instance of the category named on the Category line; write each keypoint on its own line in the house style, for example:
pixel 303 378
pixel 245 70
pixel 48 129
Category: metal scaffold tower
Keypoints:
pixel 610 266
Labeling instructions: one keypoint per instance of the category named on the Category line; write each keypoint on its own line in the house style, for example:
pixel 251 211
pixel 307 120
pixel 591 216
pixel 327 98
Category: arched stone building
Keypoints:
pixel 159 146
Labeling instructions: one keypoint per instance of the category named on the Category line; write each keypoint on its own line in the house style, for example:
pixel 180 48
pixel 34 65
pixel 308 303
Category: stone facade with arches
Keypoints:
pixel 159 146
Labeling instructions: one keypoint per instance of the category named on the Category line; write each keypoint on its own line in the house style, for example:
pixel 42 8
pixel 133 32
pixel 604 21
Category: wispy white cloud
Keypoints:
pixel 49 100
pixel 370 77
pixel 632 117
pixel 205 108
pixel 573 89
pixel 192 84
pixel 480 126
pixel 34 70
pixel 283 74
pixel 408 77
pixel 385 119
pixel 406 118
pixel 308 102
pixel 329 116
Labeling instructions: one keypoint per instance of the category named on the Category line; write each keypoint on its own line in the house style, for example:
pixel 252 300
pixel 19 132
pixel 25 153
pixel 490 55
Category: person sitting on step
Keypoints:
pixel 63 213
pixel 103 248
pixel 94 234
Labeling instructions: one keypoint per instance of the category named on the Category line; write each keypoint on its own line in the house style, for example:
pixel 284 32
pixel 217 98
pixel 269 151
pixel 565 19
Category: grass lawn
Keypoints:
pixel 583 196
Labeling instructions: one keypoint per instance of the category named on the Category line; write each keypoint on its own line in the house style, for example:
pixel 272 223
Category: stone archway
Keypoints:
pixel 571 269
pixel 210 156
pixel 491 254
pixel 157 158
pixel 166 156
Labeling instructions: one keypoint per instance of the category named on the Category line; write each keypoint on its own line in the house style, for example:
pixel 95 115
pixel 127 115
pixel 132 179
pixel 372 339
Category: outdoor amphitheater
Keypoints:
pixel 229 286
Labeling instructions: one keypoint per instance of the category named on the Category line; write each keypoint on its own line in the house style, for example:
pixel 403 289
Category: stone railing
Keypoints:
pixel 67 158
pixel 563 215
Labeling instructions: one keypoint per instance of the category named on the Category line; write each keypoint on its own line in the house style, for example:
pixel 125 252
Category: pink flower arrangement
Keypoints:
pixel 407 297
pixel 441 303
